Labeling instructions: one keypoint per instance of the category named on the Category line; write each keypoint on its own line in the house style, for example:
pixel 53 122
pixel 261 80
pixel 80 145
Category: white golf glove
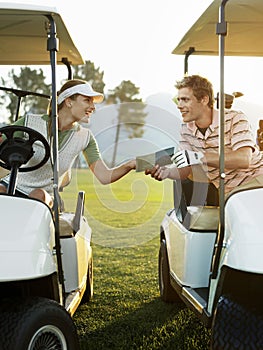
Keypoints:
pixel 185 158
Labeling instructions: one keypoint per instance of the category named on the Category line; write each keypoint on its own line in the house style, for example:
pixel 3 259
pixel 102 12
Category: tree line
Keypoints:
pixel 34 80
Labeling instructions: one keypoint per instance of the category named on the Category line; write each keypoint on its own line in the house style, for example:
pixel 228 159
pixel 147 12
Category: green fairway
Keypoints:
pixel 126 311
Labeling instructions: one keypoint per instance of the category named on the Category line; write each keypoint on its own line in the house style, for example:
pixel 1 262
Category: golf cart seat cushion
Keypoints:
pixel 203 218
pixel 65 225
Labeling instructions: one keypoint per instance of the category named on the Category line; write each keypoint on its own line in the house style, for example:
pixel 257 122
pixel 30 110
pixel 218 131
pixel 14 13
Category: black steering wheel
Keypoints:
pixel 15 151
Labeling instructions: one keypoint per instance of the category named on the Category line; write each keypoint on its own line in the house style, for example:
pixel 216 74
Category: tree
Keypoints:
pixel 31 81
pixel 131 108
pixel 91 74
pixel 130 111
pixel 125 92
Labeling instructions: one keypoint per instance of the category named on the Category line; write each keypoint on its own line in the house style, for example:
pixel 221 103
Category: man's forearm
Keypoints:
pixel 239 159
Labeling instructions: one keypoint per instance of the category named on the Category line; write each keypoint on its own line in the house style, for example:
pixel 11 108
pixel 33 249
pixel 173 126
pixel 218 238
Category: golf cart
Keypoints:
pixel 45 254
pixel 210 255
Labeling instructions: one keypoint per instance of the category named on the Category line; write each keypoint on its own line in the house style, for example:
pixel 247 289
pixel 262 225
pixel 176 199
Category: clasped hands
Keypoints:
pixel 181 159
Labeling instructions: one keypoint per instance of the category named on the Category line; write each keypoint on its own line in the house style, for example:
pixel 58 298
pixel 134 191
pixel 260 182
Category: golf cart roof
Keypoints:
pixel 245 21
pixel 23 36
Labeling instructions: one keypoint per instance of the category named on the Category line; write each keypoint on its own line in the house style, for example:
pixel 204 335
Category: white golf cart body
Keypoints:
pixel 28 252
pixel 211 250
pixel 45 255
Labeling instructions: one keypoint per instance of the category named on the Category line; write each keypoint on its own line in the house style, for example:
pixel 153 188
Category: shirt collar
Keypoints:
pixel 191 126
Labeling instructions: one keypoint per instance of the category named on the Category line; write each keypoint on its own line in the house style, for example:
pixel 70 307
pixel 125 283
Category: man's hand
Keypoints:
pixel 186 158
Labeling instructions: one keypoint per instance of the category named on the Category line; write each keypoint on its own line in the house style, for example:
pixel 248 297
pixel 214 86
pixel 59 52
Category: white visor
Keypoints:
pixel 82 89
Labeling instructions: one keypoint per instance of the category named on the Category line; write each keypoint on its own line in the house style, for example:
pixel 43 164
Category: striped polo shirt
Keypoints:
pixel 238 134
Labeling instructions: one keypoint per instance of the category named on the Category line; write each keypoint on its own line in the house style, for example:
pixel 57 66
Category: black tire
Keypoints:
pixel 88 294
pixel 167 292
pixel 35 324
pixel 236 326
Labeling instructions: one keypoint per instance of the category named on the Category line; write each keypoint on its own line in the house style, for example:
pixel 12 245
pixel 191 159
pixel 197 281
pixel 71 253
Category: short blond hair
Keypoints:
pixel 201 87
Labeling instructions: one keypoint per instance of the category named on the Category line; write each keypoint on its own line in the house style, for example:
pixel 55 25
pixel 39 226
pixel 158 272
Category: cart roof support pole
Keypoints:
pixel 52 47
pixel 221 30
pixel 69 67
pixel 187 54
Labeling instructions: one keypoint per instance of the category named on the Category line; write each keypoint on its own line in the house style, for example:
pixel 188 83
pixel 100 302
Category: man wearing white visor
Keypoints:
pixel 76 100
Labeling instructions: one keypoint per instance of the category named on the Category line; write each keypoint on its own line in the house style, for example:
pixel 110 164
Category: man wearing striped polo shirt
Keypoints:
pixel 199 144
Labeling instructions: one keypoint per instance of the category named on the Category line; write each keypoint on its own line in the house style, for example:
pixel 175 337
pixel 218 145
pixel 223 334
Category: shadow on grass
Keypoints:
pixel 152 325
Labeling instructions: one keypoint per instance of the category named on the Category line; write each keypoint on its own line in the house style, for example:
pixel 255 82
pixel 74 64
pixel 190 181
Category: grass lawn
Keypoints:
pixel 126 311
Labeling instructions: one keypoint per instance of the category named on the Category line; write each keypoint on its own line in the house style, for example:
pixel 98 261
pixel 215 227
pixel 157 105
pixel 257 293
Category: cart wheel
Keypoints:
pixel 168 294
pixel 88 294
pixel 35 324
pixel 236 326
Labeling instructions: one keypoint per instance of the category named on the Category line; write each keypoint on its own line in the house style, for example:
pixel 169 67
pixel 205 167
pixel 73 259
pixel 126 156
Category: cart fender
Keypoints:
pixel 27 239
pixel 243 231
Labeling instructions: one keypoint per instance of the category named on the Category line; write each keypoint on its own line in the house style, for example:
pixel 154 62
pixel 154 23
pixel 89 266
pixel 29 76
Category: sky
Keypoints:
pixel 133 40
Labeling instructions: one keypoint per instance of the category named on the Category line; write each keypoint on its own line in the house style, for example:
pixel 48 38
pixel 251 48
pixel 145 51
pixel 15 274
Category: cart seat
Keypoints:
pixel 69 223
pixel 196 205
pixel 203 218
pixel 65 225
